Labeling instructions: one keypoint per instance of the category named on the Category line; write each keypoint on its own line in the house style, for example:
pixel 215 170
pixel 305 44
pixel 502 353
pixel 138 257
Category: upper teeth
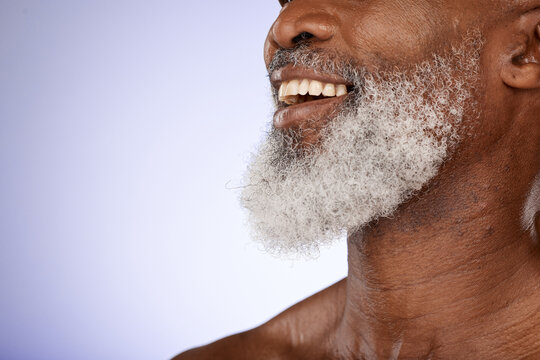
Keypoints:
pixel 289 90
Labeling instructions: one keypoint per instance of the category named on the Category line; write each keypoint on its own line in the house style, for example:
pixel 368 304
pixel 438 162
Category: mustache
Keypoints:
pixel 321 60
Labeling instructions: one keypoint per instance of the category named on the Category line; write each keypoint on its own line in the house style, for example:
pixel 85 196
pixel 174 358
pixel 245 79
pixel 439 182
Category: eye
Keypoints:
pixel 283 2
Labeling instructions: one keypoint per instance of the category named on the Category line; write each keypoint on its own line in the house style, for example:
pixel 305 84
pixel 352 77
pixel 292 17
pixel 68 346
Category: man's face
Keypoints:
pixel 374 34
pixel 332 164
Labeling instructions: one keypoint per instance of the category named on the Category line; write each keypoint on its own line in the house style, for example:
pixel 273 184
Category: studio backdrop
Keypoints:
pixel 125 128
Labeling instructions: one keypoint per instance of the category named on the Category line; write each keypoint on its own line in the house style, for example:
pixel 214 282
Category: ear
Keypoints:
pixel 522 69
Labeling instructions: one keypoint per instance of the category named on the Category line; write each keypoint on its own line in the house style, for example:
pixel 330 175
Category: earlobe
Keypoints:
pixel 522 70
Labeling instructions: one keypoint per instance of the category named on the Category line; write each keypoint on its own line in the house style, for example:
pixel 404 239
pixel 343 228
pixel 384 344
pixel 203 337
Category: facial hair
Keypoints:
pixel 385 143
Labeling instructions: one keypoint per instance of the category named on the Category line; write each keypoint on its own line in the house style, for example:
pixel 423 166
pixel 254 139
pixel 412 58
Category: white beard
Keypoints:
pixel 383 146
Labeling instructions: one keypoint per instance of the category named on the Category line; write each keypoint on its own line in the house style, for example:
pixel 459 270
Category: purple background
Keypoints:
pixel 124 128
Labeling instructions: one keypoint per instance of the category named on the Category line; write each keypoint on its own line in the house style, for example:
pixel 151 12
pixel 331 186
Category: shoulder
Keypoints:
pixel 301 331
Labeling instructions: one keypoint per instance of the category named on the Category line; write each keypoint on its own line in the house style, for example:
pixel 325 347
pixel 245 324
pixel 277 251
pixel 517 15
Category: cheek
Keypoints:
pixel 399 32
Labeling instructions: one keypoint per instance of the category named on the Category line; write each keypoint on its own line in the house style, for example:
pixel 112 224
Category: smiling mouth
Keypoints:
pixel 307 98
pixel 299 91
pixel 308 102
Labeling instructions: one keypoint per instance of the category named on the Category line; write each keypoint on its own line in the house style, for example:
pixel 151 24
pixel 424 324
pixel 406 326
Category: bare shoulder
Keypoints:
pixel 302 331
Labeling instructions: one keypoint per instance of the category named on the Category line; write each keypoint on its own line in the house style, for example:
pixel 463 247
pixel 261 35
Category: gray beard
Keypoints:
pixel 384 145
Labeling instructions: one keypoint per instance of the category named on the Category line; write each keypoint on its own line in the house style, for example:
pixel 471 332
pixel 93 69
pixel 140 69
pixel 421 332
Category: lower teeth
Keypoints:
pixel 299 99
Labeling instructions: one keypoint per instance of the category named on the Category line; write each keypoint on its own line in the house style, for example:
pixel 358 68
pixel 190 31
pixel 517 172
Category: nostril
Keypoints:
pixel 304 36
pixel 296 25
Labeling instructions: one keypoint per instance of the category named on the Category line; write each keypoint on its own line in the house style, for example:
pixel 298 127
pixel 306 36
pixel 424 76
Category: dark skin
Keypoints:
pixel 453 275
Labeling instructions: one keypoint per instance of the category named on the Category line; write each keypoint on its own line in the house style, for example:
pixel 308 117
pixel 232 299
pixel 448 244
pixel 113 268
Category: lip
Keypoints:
pixel 317 111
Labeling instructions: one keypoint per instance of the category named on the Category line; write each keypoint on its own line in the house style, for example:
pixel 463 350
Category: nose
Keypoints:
pixel 300 21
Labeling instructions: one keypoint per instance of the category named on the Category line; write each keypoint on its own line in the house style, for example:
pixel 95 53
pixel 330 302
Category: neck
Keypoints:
pixel 451 275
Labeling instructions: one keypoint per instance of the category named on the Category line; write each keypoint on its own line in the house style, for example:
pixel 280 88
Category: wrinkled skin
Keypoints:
pixel 453 275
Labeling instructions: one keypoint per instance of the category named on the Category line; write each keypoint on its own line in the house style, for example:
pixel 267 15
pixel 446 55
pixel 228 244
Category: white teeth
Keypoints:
pixel 315 88
pixel 329 90
pixel 341 90
pixel 295 91
pixel 304 87
pixel 292 88
pixel 290 100
pixel 282 89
